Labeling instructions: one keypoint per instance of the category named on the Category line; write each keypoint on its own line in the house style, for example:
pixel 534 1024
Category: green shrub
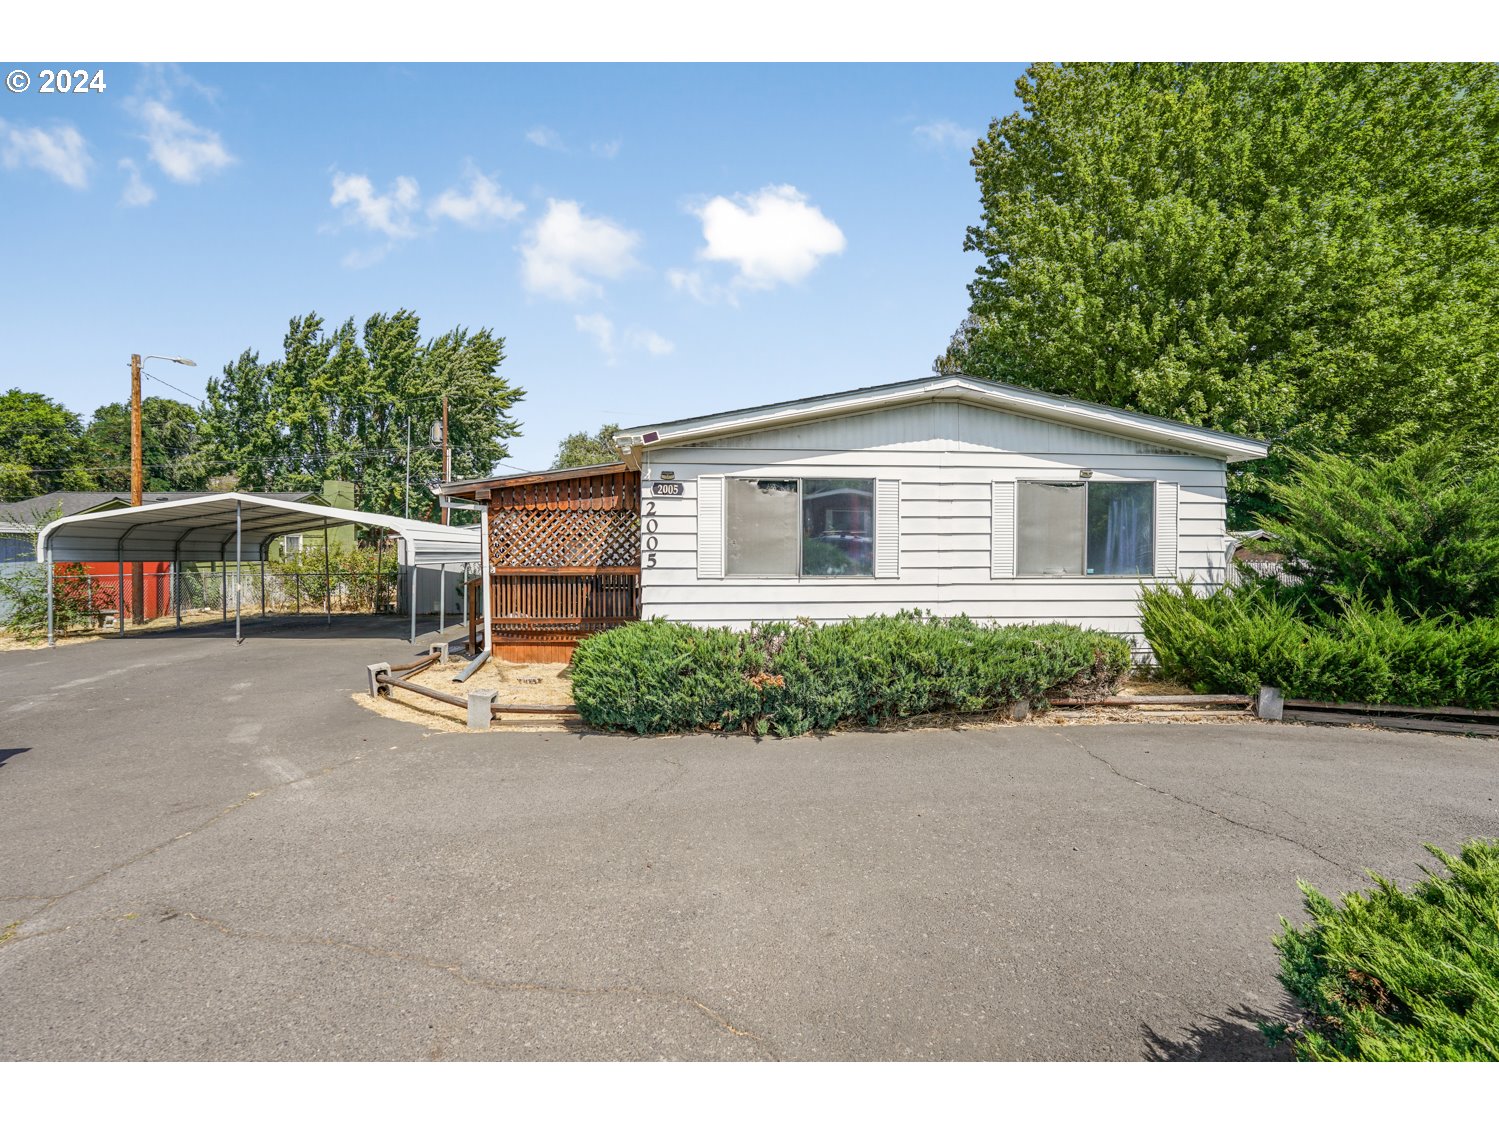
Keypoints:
pixel 1237 640
pixel 1420 531
pixel 1395 976
pixel 23 599
pixel 793 678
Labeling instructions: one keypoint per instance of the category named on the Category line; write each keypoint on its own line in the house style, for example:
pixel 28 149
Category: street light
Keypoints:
pixel 137 475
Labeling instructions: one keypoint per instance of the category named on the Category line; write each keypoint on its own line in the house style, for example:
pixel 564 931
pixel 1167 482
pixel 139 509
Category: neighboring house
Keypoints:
pixel 948 494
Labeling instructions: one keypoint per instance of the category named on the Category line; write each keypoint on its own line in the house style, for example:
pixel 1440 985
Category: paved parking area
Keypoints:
pixel 211 852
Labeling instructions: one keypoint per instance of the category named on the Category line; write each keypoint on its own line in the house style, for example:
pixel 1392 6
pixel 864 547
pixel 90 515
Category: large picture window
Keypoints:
pixel 789 528
pixel 1084 528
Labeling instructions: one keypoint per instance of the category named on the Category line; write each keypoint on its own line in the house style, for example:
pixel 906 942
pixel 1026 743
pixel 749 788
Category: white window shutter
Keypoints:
pixel 710 526
pixel 1002 529
pixel 1165 528
pixel 887 528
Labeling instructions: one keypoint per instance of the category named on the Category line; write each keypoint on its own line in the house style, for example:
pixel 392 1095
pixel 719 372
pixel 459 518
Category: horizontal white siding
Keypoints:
pixel 936 452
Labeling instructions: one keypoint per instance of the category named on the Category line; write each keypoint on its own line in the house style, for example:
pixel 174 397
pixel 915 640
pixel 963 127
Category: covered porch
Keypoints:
pixel 564 557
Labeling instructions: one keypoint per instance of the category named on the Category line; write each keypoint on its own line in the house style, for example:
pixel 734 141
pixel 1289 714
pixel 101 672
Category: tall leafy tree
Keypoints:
pixel 171 446
pixel 337 405
pixel 578 450
pixel 242 440
pixel 1301 252
pixel 42 447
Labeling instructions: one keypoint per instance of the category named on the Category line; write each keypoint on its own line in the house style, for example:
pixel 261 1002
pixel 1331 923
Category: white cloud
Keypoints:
pixel 543 137
pixel 945 134
pixel 185 151
pixel 700 287
pixel 606 150
pixel 772 237
pixel 137 191
pixel 601 329
pixel 61 152
pixel 483 201
pixel 643 339
pixel 566 248
pixel 389 214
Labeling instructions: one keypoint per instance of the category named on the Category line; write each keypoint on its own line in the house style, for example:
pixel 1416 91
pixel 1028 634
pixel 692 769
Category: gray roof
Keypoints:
pixel 24 512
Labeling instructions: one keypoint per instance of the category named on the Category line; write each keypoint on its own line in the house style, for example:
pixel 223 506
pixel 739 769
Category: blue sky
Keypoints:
pixel 653 241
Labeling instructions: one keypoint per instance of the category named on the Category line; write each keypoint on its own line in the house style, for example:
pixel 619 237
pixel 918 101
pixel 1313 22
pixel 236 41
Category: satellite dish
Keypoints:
pixel 437 433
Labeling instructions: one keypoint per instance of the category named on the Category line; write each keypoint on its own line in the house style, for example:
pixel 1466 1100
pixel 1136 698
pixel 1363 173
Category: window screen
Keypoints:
pixel 1049 528
pixel 760 528
pixel 837 527
pixel 1121 528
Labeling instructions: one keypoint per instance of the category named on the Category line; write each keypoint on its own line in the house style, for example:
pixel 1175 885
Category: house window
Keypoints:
pixel 1084 528
pixel 761 518
pixel 837 528
pixel 808 528
pixel 293 544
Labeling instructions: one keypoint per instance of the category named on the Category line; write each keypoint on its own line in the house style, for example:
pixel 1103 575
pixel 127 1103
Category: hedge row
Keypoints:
pixel 1395 976
pixel 791 678
pixel 1235 641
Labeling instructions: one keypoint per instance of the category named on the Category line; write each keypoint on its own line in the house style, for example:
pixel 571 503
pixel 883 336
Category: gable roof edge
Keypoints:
pixel 983 392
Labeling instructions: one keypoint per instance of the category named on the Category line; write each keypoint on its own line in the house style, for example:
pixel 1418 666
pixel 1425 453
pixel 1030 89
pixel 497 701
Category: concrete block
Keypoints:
pixel 1270 705
pixel 440 651
pixel 376 687
pixel 479 702
pixel 1021 709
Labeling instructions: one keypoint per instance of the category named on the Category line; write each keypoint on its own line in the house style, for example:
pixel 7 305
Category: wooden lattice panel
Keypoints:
pixel 528 537
pixel 579 522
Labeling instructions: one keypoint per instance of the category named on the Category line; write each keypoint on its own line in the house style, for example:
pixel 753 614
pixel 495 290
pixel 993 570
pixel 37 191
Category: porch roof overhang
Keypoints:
pixel 204 528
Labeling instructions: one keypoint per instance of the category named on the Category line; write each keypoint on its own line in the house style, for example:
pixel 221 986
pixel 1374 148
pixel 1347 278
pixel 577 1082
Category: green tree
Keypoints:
pixel 171 446
pixel 337 405
pixel 578 450
pixel 42 447
pixel 1301 252
pixel 1420 530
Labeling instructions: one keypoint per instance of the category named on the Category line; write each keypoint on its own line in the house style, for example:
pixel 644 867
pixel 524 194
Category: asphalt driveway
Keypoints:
pixel 211 852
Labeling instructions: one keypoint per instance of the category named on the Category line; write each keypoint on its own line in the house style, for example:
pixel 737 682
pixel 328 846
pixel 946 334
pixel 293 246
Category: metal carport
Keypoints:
pixel 202 529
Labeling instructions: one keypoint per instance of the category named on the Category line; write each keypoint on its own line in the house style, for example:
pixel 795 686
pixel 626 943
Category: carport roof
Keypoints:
pixel 202 529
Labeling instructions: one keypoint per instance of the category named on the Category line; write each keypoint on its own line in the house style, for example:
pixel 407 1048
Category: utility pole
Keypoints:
pixel 137 484
pixel 447 456
pixel 408 466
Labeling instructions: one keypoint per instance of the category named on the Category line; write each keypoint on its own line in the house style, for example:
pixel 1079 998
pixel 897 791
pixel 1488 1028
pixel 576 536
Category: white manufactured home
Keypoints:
pixel 949 494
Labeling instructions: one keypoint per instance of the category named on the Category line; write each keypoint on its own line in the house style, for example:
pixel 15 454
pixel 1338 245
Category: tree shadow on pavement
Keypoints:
pixel 1234 1037
pixel 7 754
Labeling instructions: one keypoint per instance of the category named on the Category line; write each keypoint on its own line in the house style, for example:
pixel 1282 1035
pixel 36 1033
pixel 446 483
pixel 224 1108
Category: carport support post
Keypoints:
pixel 484 573
pixel 413 595
pixel 442 598
pixel 177 579
pixel 327 578
pixel 223 585
pixel 120 589
pixel 51 635
pixel 239 579
pixel 262 579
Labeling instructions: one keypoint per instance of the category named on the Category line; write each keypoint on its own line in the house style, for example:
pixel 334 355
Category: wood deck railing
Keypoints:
pixel 541 614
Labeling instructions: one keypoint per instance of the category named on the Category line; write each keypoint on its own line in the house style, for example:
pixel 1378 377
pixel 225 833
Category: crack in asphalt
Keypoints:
pixel 49 902
pixel 1204 808
pixel 681 771
pixel 457 972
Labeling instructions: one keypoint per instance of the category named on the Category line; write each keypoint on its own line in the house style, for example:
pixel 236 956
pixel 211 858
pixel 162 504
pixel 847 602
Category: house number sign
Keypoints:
pixel 650 525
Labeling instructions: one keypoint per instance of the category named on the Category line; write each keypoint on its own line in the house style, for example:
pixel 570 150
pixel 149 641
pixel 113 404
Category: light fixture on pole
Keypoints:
pixel 137 477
